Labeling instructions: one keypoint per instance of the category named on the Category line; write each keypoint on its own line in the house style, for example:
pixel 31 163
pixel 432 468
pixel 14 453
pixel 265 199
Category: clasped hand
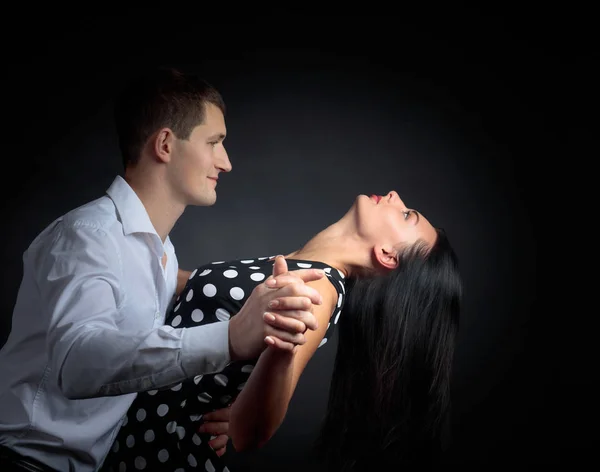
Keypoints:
pixel 277 313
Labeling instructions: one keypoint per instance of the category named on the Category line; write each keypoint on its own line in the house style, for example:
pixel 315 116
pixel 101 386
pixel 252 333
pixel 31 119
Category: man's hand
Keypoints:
pixel 289 320
pixel 281 325
pixel 216 423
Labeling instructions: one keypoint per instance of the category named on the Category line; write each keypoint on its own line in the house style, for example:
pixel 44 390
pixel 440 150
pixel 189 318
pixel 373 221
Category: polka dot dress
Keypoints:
pixel 160 430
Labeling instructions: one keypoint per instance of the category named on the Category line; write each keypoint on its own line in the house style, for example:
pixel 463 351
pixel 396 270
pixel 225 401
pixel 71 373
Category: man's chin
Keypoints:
pixel 205 201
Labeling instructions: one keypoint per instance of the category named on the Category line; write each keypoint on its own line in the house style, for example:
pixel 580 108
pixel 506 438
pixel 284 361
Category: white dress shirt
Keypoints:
pixel 88 332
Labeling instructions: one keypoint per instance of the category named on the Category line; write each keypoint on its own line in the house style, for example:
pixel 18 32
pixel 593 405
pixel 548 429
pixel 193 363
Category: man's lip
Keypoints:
pixel 377 198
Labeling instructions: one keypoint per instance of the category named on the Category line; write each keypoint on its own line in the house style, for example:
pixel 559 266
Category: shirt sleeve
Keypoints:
pixel 78 277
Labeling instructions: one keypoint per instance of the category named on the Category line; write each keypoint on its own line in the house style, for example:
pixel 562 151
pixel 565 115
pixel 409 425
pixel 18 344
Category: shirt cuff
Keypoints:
pixel 205 349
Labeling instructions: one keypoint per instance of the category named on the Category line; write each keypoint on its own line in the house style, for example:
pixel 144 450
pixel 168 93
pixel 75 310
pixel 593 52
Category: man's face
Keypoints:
pixel 198 161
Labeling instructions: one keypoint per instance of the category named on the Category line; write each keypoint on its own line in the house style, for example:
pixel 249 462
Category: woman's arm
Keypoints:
pixel 261 406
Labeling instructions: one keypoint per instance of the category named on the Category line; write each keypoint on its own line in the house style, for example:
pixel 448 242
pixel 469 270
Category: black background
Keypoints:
pixel 476 119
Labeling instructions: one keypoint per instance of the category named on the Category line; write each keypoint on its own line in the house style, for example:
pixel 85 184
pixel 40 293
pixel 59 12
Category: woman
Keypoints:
pixel 394 277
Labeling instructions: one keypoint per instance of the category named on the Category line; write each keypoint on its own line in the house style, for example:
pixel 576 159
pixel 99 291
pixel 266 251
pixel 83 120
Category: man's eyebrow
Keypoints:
pixel 217 136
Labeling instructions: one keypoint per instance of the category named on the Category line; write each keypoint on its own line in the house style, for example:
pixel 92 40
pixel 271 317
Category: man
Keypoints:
pixel 88 325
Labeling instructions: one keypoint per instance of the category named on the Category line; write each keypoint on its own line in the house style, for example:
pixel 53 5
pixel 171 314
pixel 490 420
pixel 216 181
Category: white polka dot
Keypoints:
pixel 204 397
pixel 247 261
pixel 327 269
pixel 209 290
pixel 189 295
pixel 140 463
pixel 208 466
pixel 171 427
pixel 339 300
pixel 176 321
pixel 141 414
pixel 180 432
pixel 262 258
pixel 177 307
pixel 197 315
pixel 182 404
pixel 247 369
pixel 130 441
pixel 222 314
pixel 122 467
pixel 225 469
pixel 254 267
pixel 196 439
pixel 241 386
pixel 152 392
pixel 341 274
pixel 177 387
pixel 197 379
pixel 149 436
pixel 180 470
pixel 303 265
pixel 192 274
pixel 257 276
pixel 221 380
pixel 192 461
pixel 195 417
pixel 218 262
pixel 163 455
pixel 230 274
pixel 162 410
pixel 337 317
pixel 323 341
pixel 236 293
pixel 115 447
pixel 205 272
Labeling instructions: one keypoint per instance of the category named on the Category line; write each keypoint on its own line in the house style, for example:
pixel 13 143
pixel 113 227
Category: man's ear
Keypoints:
pixel 386 256
pixel 164 141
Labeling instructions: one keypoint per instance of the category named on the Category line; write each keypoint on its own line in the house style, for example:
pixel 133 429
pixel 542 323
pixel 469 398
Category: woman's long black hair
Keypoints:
pixel 389 397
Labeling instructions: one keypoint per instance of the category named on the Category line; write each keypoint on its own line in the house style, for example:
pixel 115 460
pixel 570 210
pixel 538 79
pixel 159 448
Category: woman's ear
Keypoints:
pixel 386 256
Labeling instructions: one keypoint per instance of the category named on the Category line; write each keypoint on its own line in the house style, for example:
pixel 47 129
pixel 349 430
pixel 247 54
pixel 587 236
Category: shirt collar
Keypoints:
pixel 133 214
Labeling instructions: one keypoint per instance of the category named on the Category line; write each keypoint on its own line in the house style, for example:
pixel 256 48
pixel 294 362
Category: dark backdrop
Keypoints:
pixel 462 116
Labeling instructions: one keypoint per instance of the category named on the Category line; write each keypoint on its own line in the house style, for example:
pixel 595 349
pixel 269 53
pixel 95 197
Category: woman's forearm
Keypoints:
pixel 262 404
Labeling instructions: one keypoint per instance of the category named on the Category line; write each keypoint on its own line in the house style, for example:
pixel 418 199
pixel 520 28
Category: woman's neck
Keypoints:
pixel 335 247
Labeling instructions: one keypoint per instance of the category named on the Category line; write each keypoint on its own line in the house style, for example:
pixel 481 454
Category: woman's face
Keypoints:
pixel 385 222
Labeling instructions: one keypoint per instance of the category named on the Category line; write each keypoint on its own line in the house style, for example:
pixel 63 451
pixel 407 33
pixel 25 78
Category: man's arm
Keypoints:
pixel 260 408
pixel 89 353
pixel 182 278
